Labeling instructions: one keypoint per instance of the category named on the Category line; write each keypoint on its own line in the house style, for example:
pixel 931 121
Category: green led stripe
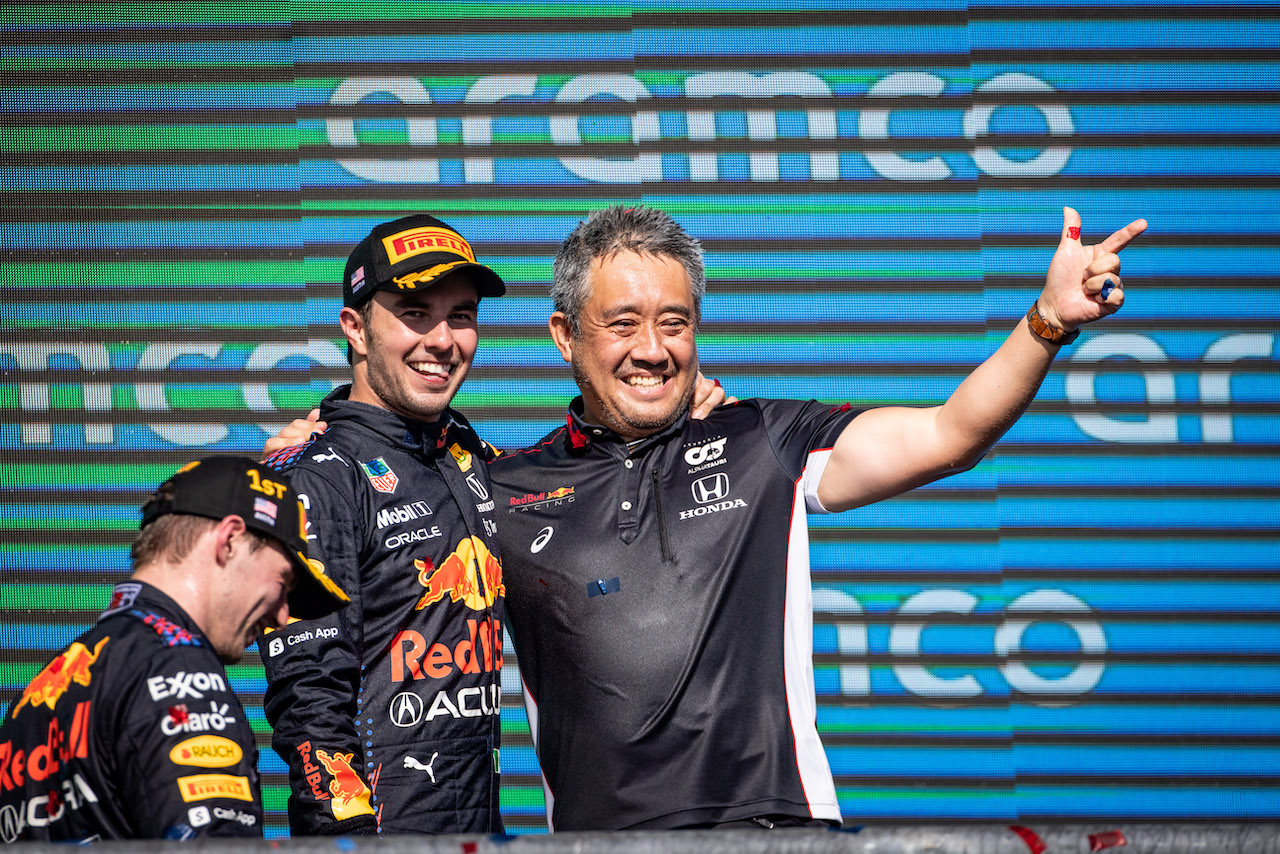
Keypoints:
pixel 397 134
pixel 18 674
pixel 123 350
pixel 572 206
pixel 802 271
pixel 164 274
pixel 511 797
pixel 518 728
pixel 275 798
pixel 136 14
pixel 61 16
pixel 962 203
pixel 929 728
pixel 276 68
pixel 141 316
pixel 466 399
pixel 325 85
pixel 67 526
pixel 809 206
pixel 57 597
pixel 53 138
pixel 192 398
pixel 494 343
pixel 522 271
pixel 245 672
pixel 363 10
pixel 85 475
pixel 945 341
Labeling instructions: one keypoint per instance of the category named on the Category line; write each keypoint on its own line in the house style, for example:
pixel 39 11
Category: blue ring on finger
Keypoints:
pixel 1107 287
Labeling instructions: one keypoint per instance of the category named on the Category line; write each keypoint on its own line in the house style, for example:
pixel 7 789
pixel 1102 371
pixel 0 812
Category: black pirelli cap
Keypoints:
pixel 410 253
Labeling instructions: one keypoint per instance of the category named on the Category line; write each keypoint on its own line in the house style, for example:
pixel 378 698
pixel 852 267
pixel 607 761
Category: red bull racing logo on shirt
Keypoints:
pixel 38 762
pixel 471 575
pixel 51 683
pixel 481 652
pixel 532 500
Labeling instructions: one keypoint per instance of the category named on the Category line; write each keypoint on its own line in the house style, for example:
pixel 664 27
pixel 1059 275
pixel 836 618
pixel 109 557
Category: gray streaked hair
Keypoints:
pixel 621 228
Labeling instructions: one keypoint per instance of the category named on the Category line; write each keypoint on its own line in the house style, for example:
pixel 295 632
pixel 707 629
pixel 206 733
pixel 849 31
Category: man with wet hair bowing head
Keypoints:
pixel 656 567
pixel 133 730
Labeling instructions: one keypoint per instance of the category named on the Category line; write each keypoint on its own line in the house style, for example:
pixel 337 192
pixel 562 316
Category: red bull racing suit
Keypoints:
pixel 660 605
pixel 132 732
pixel 387 711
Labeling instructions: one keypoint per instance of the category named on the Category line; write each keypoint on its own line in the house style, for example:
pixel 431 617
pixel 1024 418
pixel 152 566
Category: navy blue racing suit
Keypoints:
pixel 131 732
pixel 387 711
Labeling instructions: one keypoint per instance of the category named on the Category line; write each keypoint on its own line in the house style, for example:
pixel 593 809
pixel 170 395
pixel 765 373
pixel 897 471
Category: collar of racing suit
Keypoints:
pixel 423 437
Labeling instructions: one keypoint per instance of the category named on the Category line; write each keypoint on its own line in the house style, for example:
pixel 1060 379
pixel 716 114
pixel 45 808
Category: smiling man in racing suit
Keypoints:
pixel 387 713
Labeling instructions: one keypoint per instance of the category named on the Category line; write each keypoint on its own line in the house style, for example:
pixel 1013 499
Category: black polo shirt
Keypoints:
pixel 658 596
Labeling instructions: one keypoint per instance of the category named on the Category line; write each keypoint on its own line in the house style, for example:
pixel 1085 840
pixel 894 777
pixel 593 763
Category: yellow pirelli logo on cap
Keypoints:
pixel 202 787
pixel 416 241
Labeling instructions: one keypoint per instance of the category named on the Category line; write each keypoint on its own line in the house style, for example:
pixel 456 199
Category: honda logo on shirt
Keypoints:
pixel 713 487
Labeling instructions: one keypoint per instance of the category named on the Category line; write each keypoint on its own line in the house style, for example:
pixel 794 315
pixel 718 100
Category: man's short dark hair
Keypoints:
pixel 605 233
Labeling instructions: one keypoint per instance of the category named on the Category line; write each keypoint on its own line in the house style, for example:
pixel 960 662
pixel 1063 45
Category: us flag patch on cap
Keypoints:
pixel 264 510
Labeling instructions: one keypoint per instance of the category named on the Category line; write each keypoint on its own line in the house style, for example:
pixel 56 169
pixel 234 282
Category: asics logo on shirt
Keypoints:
pixel 540 541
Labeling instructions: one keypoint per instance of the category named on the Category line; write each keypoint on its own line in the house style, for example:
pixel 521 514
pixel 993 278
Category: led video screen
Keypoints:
pixel 1083 627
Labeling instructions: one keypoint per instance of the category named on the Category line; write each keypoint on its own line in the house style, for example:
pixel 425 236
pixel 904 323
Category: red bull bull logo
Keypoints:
pixel 350 794
pixel 52 682
pixel 471 575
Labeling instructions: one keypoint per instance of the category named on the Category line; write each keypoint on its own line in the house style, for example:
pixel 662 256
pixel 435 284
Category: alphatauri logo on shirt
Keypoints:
pixel 706 455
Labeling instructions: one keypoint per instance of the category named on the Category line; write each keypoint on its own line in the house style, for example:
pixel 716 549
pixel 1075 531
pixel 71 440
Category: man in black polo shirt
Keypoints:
pixel 656 567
